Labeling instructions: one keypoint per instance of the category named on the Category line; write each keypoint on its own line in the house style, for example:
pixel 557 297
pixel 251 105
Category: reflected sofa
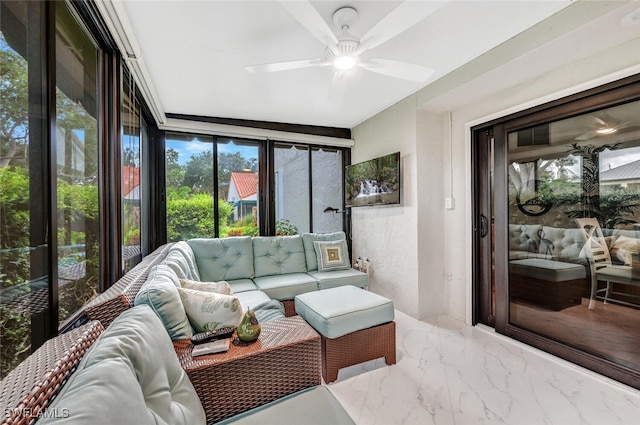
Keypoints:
pixel 548 266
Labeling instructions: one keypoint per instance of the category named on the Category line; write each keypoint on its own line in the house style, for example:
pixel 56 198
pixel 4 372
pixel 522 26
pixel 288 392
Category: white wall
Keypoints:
pixel 415 246
pixel 387 234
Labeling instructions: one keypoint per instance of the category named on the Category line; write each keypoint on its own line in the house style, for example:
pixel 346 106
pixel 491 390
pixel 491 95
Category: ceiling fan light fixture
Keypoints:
pixel 607 130
pixel 344 63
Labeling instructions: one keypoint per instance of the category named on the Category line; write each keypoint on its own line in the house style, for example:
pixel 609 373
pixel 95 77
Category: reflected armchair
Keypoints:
pixel 597 252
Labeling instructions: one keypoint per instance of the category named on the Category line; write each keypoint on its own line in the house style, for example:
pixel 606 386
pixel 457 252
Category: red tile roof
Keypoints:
pixel 130 179
pixel 246 183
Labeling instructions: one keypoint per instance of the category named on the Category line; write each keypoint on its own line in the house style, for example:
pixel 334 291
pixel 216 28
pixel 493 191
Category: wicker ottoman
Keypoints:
pixel 355 325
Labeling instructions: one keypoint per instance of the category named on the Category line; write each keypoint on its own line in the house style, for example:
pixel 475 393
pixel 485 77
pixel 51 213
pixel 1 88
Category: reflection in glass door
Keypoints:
pixel 77 111
pixel 573 232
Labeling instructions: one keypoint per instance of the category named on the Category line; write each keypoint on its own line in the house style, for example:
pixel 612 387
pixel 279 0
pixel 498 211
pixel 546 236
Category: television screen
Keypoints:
pixel 373 182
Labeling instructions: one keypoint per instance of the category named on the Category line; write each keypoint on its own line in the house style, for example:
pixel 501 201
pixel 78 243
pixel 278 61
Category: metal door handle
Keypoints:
pixel 484 225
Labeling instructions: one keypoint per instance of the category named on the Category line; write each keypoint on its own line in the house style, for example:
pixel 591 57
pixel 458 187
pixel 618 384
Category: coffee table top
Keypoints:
pixel 274 335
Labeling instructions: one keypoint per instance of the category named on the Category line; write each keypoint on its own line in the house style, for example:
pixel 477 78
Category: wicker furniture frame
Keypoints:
pixel 357 347
pixel 285 359
pixel 30 387
pixel 289 308
pixel 121 295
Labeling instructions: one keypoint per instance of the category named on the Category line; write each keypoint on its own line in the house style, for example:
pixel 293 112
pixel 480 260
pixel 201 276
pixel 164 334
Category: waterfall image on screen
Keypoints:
pixel 373 182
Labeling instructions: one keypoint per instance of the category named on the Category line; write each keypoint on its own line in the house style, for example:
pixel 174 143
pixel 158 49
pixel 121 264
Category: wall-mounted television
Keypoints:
pixel 373 182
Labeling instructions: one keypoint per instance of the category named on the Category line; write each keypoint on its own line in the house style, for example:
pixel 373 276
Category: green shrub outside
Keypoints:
pixel 192 217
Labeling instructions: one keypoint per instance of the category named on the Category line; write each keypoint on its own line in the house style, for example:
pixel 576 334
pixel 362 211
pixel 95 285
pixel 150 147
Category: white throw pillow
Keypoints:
pixel 623 247
pixel 221 287
pixel 209 310
pixel 332 255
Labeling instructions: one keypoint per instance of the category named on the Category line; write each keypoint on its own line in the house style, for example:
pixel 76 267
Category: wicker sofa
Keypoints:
pixel 128 374
pixel 261 271
pixel 258 269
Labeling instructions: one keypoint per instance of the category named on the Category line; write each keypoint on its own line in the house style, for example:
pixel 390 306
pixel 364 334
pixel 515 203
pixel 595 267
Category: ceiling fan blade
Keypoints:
pixel 587 136
pixel 398 69
pixel 285 66
pixel 400 19
pixel 309 18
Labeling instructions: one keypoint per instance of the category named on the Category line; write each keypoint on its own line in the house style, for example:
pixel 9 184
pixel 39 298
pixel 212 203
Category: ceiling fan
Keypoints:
pixel 344 51
pixel 602 125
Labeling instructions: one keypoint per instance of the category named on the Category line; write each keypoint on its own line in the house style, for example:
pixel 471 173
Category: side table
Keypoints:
pixel 286 358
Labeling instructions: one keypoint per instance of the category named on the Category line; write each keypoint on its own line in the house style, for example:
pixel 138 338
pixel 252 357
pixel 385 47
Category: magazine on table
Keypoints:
pixel 216 346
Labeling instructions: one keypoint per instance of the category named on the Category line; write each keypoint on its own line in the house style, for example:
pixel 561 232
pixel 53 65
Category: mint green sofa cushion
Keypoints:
pixel 130 375
pixel 276 255
pixel 223 259
pixel 182 260
pixel 337 278
pixel 286 286
pixel 242 285
pixel 160 292
pixel 314 406
pixel 358 309
pixel 309 250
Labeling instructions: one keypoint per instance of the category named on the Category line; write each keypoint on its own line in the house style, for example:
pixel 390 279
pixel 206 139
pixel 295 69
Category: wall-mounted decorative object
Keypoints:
pixel 373 182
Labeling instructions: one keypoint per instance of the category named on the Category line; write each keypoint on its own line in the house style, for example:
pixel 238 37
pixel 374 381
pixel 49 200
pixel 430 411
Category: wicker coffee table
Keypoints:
pixel 285 359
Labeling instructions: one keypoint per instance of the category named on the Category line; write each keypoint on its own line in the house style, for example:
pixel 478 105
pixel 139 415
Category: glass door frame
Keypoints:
pixel 608 95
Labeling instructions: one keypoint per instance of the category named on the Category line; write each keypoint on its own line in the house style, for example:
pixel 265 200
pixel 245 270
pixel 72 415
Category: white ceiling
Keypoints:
pixel 194 54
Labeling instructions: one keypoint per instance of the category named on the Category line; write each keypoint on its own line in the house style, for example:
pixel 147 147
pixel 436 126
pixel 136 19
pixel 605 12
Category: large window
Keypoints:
pixel 63 163
pixel 292 193
pixel 24 247
pixel 131 179
pixel 304 184
pixel 77 165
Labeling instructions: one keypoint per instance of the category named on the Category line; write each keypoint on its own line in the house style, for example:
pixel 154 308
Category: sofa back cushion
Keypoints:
pixel 309 249
pixel 561 243
pixel 160 292
pixel 274 255
pixel 182 260
pixel 224 258
pixel 130 375
pixel 524 237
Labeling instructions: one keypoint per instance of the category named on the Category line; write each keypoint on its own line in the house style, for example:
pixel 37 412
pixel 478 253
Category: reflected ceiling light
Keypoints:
pixel 607 130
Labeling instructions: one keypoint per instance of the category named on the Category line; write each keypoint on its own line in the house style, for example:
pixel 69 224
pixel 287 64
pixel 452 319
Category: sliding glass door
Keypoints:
pixel 567 231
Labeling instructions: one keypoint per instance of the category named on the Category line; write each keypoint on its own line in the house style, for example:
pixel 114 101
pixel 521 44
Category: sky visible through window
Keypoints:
pixel 187 149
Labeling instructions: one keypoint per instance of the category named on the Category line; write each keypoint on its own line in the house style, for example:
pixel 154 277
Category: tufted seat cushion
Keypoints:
pixel 223 259
pixel 130 375
pixel 278 255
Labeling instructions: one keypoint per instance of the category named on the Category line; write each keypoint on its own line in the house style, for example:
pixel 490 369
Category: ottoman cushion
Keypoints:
pixel 340 311
pixel 551 271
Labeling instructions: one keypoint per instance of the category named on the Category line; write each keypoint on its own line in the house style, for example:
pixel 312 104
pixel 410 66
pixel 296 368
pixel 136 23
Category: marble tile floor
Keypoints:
pixel 449 373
